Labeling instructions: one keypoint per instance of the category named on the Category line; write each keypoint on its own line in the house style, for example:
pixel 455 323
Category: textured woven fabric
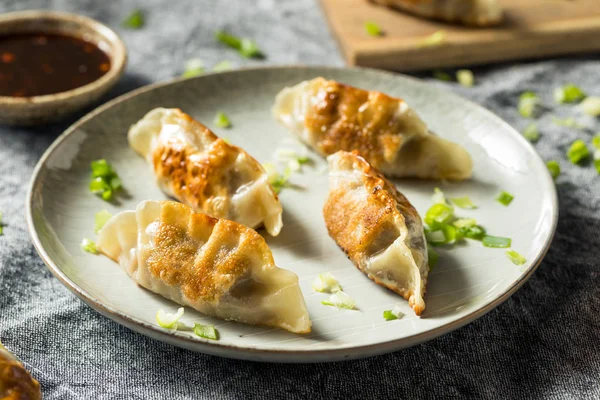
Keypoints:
pixel 544 342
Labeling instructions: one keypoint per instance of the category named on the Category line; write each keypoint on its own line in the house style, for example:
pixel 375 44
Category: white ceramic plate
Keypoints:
pixel 468 281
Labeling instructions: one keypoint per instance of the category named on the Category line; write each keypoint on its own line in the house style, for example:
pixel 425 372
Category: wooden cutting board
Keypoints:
pixel 532 28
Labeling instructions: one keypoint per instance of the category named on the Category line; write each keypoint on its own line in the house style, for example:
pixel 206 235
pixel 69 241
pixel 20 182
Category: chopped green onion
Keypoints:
pixel 554 168
pixel 168 320
pixel 578 151
pixel 435 39
pixel 515 257
pixel 567 122
pixel 326 283
pixel 439 214
pixel 278 181
pixel 101 218
pixel 596 141
pixel 528 104
pixel 388 315
pixel 436 238
pixel 451 234
pixel 442 75
pixel 591 106
pixel 135 20
pixel 102 169
pixel 340 300
pixel 246 47
pixel 373 29
pixel 224 65
pixel 568 94
pixel 193 67
pixel 222 121
pixel 531 132
pixel 433 257
pixel 206 331
pixel 89 246
pixel 438 197
pixel 464 202
pixel 596 164
pixel 496 242
pixel 465 77
pixel 475 232
pixel 1 227
pixel 105 180
pixel 464 222
pixel 505 198
pixel 303 160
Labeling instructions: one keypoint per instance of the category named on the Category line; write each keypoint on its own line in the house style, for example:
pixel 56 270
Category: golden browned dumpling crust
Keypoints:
pixel 15 382
pixel 330 116
pixel 377 227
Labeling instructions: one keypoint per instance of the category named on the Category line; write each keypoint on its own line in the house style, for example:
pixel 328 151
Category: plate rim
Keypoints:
pixel 265 354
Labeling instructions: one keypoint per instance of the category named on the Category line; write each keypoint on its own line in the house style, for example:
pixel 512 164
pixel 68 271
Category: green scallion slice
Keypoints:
pixel 596 141
pixel 531 133
pixel 528 104
pixel 568 94
pixel 465 77
pixel 442 75
pixel 464 222
pixel 591 106
pixel 436 238
pixel 169 320
pixel 567 122
pixel 105 180
pixel 438 196
pixel 464 202
pixel 373 29
pixel 515 257
pixel 89 246
pixel 475 232
pixel 435 39
pixel 553 168
pixel 505 198
pixel 439 214
pixel 388 315
pixel 224 65
pixel 496 242
pixel 340 299
pixel 222 121
pixel 101 218
pixel 135 20
pixel 578 152
pixel 206 331
pixel 193 67
pixel 1 224
pixel 246 47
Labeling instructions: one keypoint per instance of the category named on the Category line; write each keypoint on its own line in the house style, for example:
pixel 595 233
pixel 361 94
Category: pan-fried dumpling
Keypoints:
pixel 330 116
pixel 377 227
pixel 468 12
pixel 203 171
pixel 218 267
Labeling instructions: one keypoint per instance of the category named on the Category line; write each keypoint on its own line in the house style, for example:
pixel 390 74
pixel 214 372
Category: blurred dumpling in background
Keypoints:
pixel 204 172
pixel 330 116
pixel 468 12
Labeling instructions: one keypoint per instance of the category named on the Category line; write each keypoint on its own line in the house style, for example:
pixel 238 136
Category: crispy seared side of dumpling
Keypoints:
pixel 218 267
pixel 15 381
pixel 468 12
pixel 330 116
pixel 203 171
pixel 377 227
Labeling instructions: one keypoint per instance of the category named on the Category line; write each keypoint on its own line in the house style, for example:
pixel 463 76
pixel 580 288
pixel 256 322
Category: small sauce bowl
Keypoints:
pixel 36 110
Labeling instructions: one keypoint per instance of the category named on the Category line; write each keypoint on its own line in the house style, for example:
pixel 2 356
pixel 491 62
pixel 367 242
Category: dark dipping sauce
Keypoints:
pixel 39 64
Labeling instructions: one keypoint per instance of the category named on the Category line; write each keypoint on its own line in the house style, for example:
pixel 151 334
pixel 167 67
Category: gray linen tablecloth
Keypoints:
pixel 544 342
